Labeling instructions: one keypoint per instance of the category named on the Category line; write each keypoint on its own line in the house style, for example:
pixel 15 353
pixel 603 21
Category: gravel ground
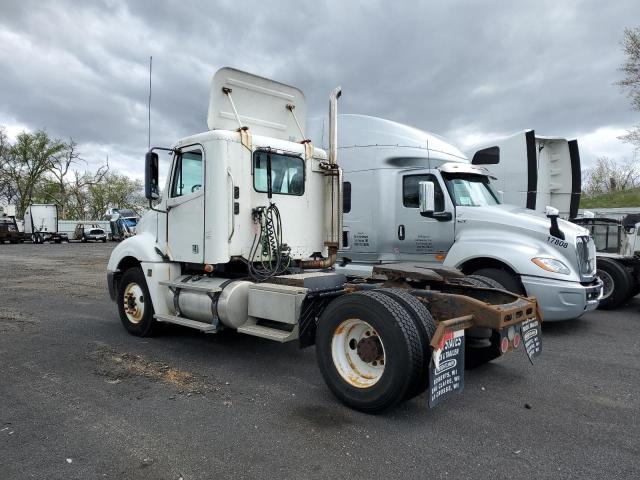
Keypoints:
pixel 80 398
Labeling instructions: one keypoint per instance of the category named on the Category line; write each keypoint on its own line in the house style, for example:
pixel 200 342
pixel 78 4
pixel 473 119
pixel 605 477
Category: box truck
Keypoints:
pixel 41 224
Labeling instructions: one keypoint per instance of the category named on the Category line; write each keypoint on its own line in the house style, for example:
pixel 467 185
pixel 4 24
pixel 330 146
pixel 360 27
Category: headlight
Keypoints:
pixel 551 265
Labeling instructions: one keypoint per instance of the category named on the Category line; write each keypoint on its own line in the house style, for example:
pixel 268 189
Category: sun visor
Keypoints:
pixel 260 103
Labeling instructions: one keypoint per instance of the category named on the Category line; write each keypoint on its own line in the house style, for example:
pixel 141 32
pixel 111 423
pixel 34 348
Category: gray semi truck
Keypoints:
pixel 388 170
pixel 536 171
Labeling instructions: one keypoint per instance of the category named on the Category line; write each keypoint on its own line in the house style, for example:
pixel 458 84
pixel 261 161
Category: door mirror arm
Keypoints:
pixel 440 216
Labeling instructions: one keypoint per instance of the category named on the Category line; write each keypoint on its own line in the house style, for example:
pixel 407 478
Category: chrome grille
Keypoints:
pixel 586 250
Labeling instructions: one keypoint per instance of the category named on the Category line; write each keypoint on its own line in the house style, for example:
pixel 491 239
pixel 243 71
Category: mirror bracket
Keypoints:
pixel 443 216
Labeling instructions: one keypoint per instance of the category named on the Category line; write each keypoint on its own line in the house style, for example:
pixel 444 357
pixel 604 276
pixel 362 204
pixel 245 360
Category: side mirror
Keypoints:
pixel 500 196
pixel 427 197
pixel 151 190
pixel 553 214
pixel 551 211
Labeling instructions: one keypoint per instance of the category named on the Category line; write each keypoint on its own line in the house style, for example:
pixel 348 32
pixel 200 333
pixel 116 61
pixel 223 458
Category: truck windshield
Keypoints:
pixel 469 190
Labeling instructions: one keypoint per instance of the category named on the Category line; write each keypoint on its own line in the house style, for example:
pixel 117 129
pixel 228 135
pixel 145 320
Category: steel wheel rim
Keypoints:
pixel 133 303
pixel 358 353
pixel 607 283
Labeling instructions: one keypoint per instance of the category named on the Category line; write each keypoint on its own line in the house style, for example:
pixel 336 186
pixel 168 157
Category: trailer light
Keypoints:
pixel 504 345
pixel 516 340
pixel 551 265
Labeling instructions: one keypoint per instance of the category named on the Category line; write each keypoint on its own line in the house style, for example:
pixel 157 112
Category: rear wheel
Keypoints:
pixel 617 283
pixel 134 303
pixel 426 326
pixel 368 350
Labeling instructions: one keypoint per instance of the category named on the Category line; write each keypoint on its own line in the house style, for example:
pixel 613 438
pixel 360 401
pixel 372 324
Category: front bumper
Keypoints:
pixel 561 300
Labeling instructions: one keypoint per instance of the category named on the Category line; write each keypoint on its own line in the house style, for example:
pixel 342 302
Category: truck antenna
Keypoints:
pixel 149 107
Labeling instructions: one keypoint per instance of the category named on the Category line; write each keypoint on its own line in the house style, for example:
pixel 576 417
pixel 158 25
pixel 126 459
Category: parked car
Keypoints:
pixel 9 230
pixel 93 232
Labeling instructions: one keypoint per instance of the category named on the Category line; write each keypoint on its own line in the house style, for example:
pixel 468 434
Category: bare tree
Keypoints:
pixel 631 82
pixel 79 187
pixel 60 168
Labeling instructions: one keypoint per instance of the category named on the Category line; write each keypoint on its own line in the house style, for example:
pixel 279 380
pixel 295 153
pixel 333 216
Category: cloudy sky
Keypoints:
pixel 467 70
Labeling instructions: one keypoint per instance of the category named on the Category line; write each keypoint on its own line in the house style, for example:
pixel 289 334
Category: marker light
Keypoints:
pixel 516 340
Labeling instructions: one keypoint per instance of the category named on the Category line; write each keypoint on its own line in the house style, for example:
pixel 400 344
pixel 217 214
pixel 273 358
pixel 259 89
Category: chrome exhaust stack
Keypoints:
pixel 333 191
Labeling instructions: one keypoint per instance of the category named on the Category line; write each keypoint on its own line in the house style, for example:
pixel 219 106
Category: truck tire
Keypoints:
pixel 368 350
pixel 426 326
pixel 617 283
pixel 482 281
pixel 480 345
pixel 134 303
pixel 506 280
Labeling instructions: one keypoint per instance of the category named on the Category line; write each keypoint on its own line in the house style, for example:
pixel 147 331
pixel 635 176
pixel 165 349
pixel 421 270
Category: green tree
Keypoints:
pixel 26 164
pixel 631 82
pixel 114 191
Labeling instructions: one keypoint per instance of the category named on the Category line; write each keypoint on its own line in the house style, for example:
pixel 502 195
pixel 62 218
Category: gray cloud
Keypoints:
pixel 463 69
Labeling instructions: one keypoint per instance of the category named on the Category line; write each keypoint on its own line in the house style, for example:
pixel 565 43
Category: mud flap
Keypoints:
pixel 446 368
pixel 532 338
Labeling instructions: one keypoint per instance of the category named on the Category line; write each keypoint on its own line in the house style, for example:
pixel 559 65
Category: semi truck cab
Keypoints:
pixel 469 227
pixel 244 237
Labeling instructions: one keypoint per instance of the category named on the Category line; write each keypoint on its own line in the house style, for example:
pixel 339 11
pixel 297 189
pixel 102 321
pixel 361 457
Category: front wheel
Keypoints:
pixel 508 281
pixel 369 351
pixel 134 303
pixel 617 283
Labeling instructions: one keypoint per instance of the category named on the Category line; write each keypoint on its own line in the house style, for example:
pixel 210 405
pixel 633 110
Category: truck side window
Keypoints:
pixel 187 176
pixel 410 197
pixel 346 197
pixel 287 173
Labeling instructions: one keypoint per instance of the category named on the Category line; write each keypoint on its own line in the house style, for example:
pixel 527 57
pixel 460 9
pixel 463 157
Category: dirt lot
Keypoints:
pixel 80 398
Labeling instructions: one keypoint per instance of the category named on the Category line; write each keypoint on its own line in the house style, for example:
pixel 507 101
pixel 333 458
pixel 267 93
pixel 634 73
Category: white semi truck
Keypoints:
pixel 245 234
pixel 470 227
pixel 536 171
pixel 41 224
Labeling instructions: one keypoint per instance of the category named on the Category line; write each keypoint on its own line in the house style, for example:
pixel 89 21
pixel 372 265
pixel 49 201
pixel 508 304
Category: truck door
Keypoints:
pixel 185 205
pixel 418 235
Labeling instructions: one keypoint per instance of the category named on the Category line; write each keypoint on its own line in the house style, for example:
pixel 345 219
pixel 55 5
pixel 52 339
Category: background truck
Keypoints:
pixel 122 223
pixel 537 171
pixel 9 231
pixel 470 229
pixel 245 234
pixel 41 224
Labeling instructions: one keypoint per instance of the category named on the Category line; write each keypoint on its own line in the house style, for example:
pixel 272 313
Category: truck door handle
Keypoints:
pixel 233 219
pixel 400 232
